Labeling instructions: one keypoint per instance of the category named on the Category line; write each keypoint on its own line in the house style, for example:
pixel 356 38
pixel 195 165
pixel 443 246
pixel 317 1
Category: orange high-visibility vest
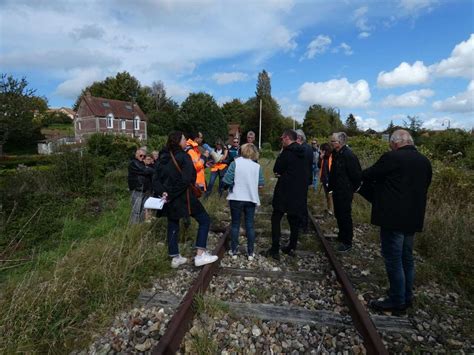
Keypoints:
pixel 195 155
pixel 322 165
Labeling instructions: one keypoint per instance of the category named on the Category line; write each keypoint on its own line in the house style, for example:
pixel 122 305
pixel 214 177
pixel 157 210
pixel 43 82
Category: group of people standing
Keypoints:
pixel 396 185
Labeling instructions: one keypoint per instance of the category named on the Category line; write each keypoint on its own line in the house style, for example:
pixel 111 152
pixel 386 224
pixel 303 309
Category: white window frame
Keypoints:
pixel 123 125
pixel 110 120
pixel 136 123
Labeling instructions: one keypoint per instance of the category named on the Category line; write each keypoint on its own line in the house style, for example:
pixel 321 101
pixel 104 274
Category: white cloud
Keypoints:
pixel 460 63
pixel 404 74
pixel 462 102
pixel 227 78
pixel 336 92
pixel 344 47
pixel 361 21
pixel 440 123
pixel 413 6
pixel 366 123
pixel 317 46
pixel 409 99
pixel 78 80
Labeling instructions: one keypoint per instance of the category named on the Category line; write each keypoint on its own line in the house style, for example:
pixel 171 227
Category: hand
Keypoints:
pixel 165 195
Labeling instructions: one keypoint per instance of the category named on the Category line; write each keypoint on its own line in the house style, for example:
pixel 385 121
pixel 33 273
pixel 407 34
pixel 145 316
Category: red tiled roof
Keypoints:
pixel 101 107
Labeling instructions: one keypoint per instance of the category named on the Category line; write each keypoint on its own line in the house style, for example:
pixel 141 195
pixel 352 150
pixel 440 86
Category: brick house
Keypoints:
pixel 100 115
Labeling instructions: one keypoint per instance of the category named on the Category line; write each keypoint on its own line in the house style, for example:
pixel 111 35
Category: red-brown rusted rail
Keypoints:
pixel 183 317
pixel 362 321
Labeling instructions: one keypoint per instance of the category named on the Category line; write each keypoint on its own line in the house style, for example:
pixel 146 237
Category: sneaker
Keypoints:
pixel 177 261
pixel 387 305
pixel 344 248
pixel 251 257
pixel 205 258
pixel 270 253
pixel 233 254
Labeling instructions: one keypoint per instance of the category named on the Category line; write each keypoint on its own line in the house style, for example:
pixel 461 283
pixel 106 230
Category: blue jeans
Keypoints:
pixel 236 208
pixel 315 177
pixel 397 251
pixel 212 180
pixel 201 240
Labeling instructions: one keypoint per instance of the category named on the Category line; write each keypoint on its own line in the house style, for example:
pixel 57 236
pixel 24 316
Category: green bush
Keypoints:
pixel 117 149
pixel 367 149
pixel 156 143
pixel 449 143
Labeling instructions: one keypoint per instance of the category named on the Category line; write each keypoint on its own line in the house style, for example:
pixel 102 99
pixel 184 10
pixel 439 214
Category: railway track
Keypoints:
pixel 303 304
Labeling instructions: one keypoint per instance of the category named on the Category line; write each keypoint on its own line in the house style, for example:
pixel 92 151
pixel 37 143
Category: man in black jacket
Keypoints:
pixel 344 180
pixel 289 194
pixel 139 183
pixel 398 183
pixel 308 152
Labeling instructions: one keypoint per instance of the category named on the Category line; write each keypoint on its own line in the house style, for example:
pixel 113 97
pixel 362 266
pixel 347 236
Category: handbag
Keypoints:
pixel 197 192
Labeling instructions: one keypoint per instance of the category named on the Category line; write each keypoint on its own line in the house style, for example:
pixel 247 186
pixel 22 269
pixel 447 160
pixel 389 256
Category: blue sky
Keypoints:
pixel 380 60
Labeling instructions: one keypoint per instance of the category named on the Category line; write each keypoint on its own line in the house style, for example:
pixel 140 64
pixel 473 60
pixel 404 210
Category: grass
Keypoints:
pixel 73 291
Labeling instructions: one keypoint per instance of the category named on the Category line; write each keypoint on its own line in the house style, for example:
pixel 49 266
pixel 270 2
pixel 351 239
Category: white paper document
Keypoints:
pixel 154 203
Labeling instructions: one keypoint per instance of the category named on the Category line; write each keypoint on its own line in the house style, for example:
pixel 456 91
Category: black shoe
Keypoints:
pixel 344 248
pixel 270 254
pixel 408 303
pixel 288 251
pixel 387 305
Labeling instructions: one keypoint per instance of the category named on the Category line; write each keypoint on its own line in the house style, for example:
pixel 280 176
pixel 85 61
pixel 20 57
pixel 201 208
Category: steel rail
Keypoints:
pixel 183 317
pixel 362 321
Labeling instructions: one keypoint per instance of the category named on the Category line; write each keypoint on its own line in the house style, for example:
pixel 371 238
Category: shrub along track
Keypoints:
pixel 298 304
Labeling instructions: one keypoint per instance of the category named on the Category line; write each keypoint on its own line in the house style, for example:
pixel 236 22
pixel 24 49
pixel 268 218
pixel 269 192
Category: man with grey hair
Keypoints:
pixel 398 184
pixel 344 180
pixel 251 137
pixel 308 156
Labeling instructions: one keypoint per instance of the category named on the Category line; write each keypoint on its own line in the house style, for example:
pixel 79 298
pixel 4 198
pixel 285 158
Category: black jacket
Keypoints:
pixel 308 152
pixel 346 173
pixel 400 181
pixel 292 186
pixel 139 176
pixel 168 179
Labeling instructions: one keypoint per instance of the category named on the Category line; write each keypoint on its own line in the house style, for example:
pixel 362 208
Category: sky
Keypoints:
pixel 379 60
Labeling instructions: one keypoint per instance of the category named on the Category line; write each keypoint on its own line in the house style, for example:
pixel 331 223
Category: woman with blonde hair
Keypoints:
pixel 245 177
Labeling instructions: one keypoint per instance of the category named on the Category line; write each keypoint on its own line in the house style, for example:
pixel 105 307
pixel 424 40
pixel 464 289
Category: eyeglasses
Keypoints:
pixel 142 156
pixel 236 141
pixel 314 143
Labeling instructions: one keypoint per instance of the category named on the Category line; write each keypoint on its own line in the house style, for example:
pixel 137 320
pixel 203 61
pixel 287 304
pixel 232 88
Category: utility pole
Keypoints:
pixel 260 128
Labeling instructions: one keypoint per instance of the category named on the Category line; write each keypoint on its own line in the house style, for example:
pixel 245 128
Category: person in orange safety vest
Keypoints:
pixel 199 160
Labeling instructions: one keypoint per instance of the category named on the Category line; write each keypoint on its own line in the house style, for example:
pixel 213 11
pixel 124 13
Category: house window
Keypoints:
pixel 123 124
pixel 110 121
pixel 136 123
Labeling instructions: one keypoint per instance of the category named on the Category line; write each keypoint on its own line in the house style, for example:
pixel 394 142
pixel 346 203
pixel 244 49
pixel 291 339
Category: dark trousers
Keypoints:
pixel 343 213
pixel 236 209
pixel 293 221
pixel 304 216
pixel 204 223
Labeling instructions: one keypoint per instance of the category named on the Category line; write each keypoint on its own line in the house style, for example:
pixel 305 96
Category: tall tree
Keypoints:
pixel 236 111
pixel 18 107
pixel 200 112
pixel 264 87
pixel 321 121
pixel 351 125
pixel 390 128
pixel 123 86
pixel 413 124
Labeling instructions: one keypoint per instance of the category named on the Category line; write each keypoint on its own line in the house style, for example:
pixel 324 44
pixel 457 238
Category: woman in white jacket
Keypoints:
pixel 245 177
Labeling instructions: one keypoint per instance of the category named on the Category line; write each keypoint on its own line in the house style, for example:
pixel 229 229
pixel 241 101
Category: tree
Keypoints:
pixel 321 121
pixel 390 128
pixel 351 125
pixel 164 120
pixel 414 126
pixel 264 88
pixel 200 112
pixel 123 87
pixel 18 107
pixel 236 111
